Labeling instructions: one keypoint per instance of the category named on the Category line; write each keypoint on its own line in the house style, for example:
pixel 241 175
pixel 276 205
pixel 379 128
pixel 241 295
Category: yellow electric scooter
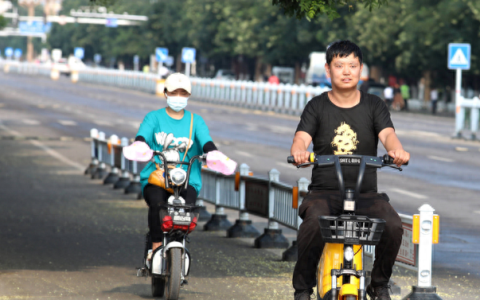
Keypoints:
pixel 340 272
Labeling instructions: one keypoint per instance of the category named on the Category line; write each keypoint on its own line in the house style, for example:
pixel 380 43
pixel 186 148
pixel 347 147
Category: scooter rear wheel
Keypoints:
pixel 174 269
pixel 158 287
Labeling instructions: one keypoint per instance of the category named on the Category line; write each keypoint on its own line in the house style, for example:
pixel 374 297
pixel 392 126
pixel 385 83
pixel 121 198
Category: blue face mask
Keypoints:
pixel 177 103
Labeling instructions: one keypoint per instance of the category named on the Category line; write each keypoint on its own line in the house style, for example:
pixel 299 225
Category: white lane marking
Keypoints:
pixel 440 158
pixel 418 133
pixel 461 149
pixel 281 129
pixel 407 193
pixel 30 122
pixel 47 149
pixel 135 124
pixel 67 122
pixel 103 123
pixel 244 153
pixel 251 127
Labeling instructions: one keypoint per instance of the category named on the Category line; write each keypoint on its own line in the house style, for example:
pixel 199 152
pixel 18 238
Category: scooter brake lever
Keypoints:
pixel 303 165
pixel 395 167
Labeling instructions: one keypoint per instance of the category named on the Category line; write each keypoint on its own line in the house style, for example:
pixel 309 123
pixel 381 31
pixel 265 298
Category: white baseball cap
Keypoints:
pixel 178 81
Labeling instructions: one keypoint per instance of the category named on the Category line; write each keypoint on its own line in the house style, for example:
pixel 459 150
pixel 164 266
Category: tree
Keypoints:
pixel 3 22
pixel 313 8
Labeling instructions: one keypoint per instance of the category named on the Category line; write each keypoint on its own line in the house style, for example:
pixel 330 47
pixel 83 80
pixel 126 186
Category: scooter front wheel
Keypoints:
pixel 174 269
pixel 158 286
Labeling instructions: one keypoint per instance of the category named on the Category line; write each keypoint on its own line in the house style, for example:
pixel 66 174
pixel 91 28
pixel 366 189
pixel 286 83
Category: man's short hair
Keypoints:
pixel 343 49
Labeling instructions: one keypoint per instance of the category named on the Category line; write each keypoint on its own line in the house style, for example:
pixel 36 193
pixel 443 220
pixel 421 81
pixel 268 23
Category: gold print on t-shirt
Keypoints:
pixel 345 140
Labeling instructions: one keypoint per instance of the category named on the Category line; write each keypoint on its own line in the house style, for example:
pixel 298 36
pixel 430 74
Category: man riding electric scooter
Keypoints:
pixel 345 121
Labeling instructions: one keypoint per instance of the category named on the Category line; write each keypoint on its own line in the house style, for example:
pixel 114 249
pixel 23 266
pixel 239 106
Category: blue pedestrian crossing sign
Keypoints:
pixel 161 54
pixel 188 55
pixel 459 56
pixel 79 52
pixel 17 53
pixel 8 52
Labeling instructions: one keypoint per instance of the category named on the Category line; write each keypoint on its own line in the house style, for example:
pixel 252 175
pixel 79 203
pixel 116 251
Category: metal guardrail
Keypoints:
pixel 265 197
pixel 467 117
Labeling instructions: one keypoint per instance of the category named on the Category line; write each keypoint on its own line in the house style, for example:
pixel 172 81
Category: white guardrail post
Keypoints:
pixel 94 162
pixel 272 236
pixel 218 221
pixel 124 179
pixel 112 177
pixel 243 225
pixel 425 232
pixel 101 171
pixel 473 106
pixel 291 254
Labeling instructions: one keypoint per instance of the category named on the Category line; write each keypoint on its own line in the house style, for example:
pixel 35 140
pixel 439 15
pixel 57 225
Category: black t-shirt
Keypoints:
pixel 336 130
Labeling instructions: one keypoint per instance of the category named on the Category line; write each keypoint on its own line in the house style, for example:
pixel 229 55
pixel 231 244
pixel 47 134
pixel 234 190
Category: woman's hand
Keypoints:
pixel 138 151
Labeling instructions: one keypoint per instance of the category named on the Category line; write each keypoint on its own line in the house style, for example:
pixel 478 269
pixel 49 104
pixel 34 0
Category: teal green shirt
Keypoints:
pixel 157 125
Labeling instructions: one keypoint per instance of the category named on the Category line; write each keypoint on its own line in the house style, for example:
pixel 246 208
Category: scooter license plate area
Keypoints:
pixel 181 218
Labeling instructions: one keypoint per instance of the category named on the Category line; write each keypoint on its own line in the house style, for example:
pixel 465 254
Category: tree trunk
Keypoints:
pixel 268 70
pixel 297 72
pixel 179 63
pixel 258 69
pixel 428 81
pixel 376 73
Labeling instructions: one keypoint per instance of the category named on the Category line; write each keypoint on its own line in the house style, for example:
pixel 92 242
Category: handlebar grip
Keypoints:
pixel 387 159
pixel 291 160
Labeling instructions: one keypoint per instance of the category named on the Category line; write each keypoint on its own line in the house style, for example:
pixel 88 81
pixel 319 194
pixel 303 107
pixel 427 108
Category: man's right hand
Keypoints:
pixel 301 157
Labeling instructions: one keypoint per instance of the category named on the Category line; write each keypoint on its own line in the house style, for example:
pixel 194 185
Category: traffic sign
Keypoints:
pixel 111 22
pixel 169 61
pixel 136 59
pixel 79 52
pixel 188 55
pixel 459 56
pixel 33 27
pixel 8 52
pixel 17 53
pixel 97 58
pixel 161 54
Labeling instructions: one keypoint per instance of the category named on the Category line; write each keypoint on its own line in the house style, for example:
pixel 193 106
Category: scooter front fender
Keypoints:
pixel 174 245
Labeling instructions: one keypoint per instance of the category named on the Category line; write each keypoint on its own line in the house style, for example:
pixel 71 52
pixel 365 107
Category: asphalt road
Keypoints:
pixel 66 235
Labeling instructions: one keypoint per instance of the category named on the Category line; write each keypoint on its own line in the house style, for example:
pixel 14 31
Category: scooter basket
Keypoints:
pixel 355 230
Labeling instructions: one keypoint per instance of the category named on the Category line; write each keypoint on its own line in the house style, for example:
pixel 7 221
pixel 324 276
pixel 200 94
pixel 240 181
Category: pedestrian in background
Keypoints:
pixel 398 103
pixel 388 94
pixel 434 100
pixel 405 90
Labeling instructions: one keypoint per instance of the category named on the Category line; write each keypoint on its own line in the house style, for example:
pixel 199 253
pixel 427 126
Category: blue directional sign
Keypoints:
pixel 188 55
pixel 79 52
pixel 97 58
pixel 17 53
pixel 33 27
pixel 459 56
pixel 8 52
pixel 111 22
pixel 161 54
pixel 169 61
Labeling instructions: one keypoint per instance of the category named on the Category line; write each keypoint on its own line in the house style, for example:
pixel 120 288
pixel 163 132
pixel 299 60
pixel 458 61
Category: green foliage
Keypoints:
pixel 314 8
pixel 3 22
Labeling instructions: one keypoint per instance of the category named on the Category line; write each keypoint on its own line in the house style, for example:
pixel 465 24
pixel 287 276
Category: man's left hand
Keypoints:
pixel 400 156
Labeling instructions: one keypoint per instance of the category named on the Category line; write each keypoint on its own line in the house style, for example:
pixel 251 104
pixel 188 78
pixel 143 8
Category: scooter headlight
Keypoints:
pixel 178 176
pixel 348 253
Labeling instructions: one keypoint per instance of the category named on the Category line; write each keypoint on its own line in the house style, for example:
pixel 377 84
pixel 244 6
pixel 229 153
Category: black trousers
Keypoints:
pixel 155 197
pixel 310 244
